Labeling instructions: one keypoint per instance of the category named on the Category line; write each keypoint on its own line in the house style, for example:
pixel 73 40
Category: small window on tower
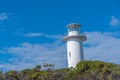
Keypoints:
pixel 69 54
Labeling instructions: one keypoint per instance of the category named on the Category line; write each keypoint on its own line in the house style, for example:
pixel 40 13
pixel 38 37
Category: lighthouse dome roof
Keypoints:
pixel 73 25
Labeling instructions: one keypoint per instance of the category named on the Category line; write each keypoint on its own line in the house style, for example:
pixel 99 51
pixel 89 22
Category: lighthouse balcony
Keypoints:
pixel 82 37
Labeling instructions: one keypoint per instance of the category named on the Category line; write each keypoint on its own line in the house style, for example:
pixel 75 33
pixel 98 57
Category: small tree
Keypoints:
pixel 48 67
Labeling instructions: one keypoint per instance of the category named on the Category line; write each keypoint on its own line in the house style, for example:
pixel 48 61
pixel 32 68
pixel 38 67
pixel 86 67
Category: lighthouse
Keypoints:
pixel 74 42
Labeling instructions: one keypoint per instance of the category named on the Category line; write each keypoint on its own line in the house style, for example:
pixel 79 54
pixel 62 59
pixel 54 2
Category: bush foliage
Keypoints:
pixel 85 70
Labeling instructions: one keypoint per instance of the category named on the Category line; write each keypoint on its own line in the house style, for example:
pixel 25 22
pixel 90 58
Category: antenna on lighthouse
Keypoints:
pixel 74 44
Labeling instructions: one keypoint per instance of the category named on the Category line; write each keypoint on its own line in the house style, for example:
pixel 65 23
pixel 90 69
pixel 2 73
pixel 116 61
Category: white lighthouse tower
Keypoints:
pixel 74 44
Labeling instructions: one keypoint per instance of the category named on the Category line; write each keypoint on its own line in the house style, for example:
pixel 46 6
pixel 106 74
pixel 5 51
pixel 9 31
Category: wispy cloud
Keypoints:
pixel 115 22
pixel 53 36
pixel 33 34
pixel 3 16
pixel 41 34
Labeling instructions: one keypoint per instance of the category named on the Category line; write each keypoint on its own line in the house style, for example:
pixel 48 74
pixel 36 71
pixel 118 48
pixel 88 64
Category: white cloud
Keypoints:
pixel 32 34
pixel 27 55
pixel 53 36
pixel 3 16
pixel 115 22
pixel 42 34
pixel 99 46
pixel 102 46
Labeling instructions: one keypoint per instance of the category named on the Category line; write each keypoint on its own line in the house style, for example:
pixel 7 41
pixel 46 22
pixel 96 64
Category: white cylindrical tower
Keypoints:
pixel 74 44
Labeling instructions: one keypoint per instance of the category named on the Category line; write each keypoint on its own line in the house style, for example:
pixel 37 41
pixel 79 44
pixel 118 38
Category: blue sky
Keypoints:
pixel 32 30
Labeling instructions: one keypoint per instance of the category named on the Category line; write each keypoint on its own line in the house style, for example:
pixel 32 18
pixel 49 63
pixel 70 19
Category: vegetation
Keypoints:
pixel 85 70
